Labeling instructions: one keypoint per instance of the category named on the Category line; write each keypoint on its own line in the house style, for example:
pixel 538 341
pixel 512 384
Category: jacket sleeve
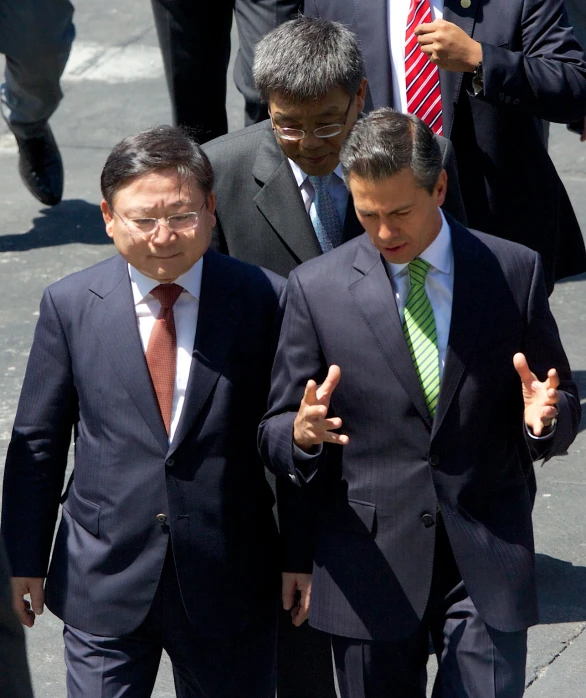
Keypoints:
pixel 298 358
pixel 547 77
pixel 543 348
pixel 37 453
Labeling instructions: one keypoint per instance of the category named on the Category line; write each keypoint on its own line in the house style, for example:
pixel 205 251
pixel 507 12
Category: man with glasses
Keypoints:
pixel 281 199
pixel 158 360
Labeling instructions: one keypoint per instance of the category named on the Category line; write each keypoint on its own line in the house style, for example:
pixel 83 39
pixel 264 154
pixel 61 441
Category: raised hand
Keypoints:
pixel 312 426
pixel 448 46
pixel 540 398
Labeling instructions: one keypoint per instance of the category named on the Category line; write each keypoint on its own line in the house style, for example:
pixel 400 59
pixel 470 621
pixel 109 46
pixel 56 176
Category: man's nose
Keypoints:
pixel 163 233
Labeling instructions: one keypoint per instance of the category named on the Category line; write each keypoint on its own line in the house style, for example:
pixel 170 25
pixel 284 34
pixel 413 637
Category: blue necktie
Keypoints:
pixel 324 216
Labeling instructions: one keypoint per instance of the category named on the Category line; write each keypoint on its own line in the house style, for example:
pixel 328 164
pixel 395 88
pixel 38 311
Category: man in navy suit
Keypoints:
pixel 442 379
pixel 504 65
pixel 158 361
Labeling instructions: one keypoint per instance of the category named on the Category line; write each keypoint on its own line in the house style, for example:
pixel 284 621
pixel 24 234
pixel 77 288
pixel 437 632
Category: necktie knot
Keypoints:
pixel 418 269
pixel 167 294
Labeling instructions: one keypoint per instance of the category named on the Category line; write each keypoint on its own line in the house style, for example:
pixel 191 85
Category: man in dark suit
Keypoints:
pixel 311 75
pixel 195 43
pixel 504 66
pixel 423 448
pixel 14 676
pixel 158 360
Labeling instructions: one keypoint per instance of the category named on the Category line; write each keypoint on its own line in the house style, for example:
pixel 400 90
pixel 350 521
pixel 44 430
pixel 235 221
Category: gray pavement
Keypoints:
pixel 114 86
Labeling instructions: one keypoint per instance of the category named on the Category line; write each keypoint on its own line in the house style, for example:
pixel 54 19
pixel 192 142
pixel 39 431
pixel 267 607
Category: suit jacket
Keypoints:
pixel 533 69
pixel 14 675
pixel 375 531
pixel 261 217
pixel 87 371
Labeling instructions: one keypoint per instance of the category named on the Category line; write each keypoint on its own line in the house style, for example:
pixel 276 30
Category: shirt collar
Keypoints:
pixel 142 285
pixel 300 175
pixel 439 254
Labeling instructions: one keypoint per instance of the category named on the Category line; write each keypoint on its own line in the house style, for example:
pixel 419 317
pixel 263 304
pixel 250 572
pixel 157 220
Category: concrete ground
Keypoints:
pixel 114 86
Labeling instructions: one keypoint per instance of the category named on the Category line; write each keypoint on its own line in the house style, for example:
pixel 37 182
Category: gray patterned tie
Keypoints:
pixel 324 216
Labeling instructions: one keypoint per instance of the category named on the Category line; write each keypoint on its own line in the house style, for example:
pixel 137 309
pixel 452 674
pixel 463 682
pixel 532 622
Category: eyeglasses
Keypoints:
pixel 177 223
pixel 297 134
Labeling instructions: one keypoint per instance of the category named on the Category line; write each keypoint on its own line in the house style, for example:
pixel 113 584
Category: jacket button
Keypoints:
pixel 434 459
pixel 507 99
pixel 516 101
pixel 170 462
pixel 161 518
pixel 501 96
pixel 427 520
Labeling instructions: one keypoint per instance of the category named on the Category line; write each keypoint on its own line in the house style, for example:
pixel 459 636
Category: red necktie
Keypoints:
pixel 424 97
pixel 161 353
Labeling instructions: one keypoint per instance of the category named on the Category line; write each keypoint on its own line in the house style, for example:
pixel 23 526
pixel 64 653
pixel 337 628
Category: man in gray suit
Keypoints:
pixel 14 677
pixel 311 74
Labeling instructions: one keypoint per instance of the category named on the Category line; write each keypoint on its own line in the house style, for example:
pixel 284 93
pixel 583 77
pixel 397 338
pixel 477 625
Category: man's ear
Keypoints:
pixel 361 95
pixel 108 216
pixel 441 188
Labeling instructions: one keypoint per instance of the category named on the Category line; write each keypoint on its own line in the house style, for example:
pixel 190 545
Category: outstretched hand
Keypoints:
pixel 312 426
pixel 540 398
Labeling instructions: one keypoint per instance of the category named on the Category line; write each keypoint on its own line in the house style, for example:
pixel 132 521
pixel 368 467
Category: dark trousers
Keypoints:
pixel 474 660
pixel 194 36
pixel 239 666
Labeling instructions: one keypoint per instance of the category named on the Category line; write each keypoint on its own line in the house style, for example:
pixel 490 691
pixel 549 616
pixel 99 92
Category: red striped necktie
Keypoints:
pixel 424 97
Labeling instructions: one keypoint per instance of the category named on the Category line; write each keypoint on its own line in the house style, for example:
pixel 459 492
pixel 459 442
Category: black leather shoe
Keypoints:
pixel 41 167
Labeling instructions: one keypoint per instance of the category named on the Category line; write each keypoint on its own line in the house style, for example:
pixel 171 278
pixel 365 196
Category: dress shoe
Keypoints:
pixel 41 167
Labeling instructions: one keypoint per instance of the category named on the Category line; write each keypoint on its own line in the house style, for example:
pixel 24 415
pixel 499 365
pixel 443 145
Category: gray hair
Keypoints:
pixel 155 149
pixel 305 58
pixel 385 142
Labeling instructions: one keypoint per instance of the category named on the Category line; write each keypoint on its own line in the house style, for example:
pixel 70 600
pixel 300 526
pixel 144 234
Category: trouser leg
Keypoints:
pixel 255 19
pixel 36 37
pixel 194 36
pixel 239 665
pixel 474 660
pixel 110 667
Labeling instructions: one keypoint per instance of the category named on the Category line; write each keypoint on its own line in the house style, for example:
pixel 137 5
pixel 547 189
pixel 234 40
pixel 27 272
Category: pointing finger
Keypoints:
pixel 553 380
pixel 325 390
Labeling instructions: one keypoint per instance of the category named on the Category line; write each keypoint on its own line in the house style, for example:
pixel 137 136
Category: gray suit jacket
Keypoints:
pixel 14 677
pixel 261 216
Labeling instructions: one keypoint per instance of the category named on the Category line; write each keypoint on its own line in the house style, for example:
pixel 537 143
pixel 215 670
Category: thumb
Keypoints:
pixel 288 588
pixel 37 595
pixel 522 368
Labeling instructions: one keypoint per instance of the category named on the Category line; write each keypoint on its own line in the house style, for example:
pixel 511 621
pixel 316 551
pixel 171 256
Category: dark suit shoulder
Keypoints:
pixel 85 278
pixel 249 275
pixel 238 143
pixel 328 266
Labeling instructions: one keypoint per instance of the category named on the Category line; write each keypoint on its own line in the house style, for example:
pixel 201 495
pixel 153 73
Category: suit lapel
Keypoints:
pixel 280 202
pixel 373 294
pixel 219 316
pixel 451 82
pixel 472 290
pixel 115 321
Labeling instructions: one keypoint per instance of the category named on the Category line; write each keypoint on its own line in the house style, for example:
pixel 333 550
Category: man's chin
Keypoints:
pixel 318 167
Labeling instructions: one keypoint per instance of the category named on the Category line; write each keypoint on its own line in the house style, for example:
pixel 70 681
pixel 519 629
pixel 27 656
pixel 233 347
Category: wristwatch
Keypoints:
pixel 478 78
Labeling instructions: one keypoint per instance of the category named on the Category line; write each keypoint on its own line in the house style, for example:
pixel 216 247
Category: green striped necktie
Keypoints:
pixel 421 334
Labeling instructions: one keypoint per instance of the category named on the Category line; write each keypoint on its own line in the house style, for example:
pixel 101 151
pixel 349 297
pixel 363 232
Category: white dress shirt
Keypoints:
pixel 439 285
pixel 398 12
pixel 185 311
pixel 336 188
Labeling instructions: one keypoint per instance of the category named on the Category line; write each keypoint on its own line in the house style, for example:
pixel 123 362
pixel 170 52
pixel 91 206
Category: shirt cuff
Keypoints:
pixel 549 434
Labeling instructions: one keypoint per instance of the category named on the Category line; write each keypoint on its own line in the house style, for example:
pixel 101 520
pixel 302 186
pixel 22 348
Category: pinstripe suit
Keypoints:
pixel 133 493
pixel 376 534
